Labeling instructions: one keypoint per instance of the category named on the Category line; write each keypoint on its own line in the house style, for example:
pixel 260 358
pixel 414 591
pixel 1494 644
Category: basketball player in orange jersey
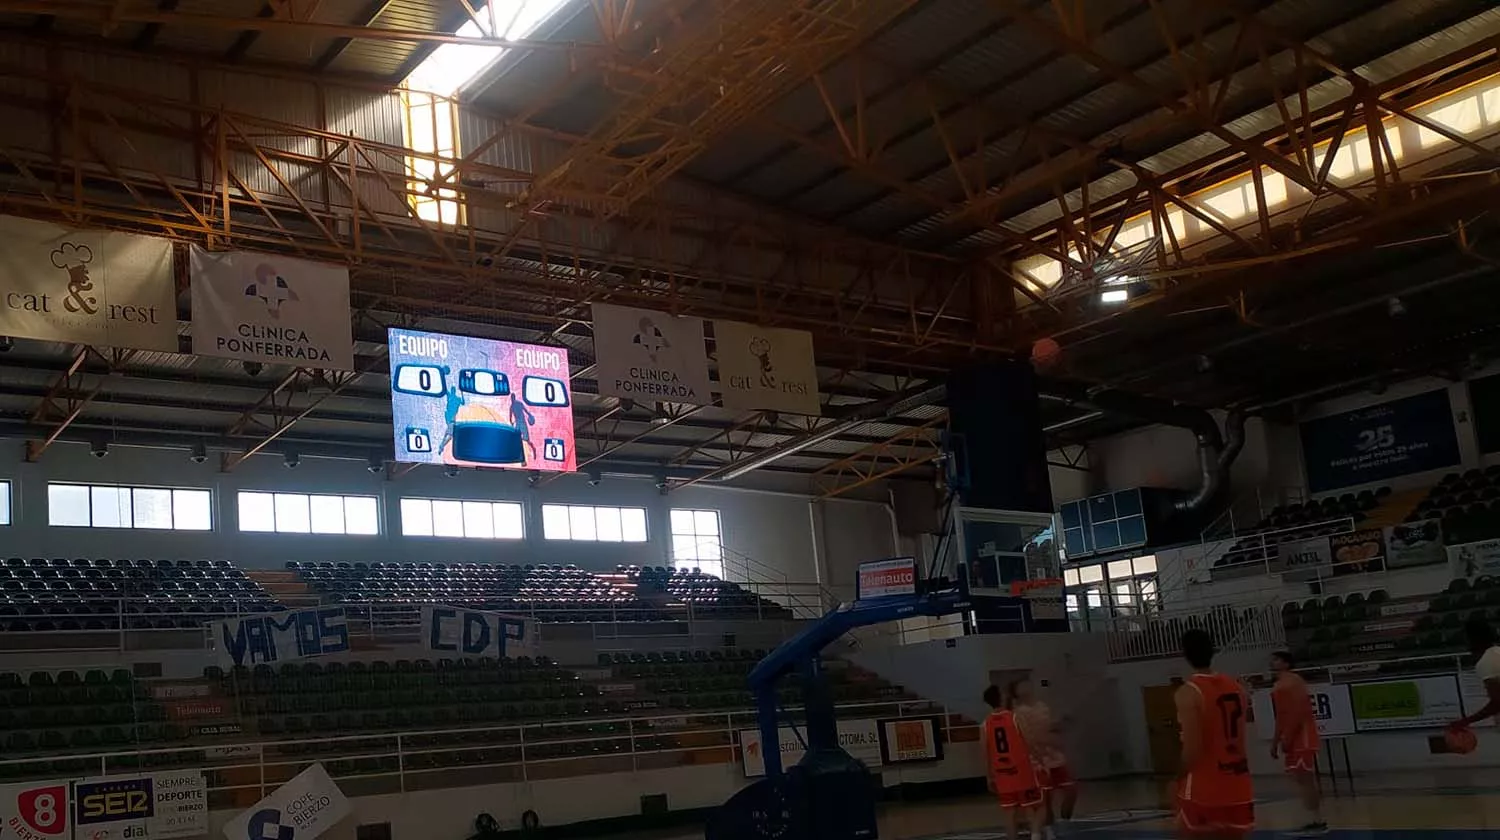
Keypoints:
pixel 1215 798
pixel 1012 775
pixel 1297 737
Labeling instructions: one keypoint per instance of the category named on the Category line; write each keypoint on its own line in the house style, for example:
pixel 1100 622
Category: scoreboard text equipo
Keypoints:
pixel 480 402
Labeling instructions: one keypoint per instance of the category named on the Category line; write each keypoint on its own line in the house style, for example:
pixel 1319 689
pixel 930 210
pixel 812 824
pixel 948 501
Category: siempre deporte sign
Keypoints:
pixel 162 806
pixel 282 637
pixel 474 633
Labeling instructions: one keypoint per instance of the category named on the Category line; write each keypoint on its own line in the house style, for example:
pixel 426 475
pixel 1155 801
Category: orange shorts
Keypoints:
pixel 1029 798
pixel 1052 778
pixel 1194 818
pixel 1301 761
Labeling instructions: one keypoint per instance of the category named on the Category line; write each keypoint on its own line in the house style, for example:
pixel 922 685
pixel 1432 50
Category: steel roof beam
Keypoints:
pixel 698 87
pixel 103 13
pixel 70 393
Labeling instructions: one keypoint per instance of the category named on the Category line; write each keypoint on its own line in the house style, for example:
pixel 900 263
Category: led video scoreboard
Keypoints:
pixel 481 402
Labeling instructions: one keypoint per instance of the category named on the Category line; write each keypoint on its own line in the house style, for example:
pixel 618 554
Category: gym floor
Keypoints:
pixel 1439 805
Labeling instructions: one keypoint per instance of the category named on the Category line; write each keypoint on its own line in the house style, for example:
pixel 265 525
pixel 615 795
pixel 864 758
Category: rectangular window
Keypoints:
pixel 593 524
pixel 302 513
pixel 697 542
pixel 110 506
pixel 4 502
pixel 476 520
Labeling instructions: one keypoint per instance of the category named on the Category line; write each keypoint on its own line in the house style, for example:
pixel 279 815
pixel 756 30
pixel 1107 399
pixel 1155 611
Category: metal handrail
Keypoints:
pixel 269 753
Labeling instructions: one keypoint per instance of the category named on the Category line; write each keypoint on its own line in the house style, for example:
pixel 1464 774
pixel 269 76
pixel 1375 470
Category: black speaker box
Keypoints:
pixel 995 413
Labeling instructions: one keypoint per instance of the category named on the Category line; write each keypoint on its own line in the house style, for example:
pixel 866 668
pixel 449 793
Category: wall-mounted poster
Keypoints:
pixel 1414 544
pixel 1415 703
pixel 481 402
pixel 1380 442
pixel 1358 552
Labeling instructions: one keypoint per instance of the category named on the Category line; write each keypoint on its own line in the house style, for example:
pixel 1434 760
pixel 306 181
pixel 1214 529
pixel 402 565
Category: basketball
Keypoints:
pixel 1045 353
pixel 1462 741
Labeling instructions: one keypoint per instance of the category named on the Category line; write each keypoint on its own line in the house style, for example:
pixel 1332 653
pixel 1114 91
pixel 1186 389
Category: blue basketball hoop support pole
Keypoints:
pixel 800 653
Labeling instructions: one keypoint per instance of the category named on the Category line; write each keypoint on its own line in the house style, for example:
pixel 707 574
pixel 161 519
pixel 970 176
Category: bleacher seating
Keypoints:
pixel 1468 504
pixel 48 719
pixel 709 596
pixel 81 594
pixel 545 592
pixel 1301 521
pixel 1372 626
pixel 73 595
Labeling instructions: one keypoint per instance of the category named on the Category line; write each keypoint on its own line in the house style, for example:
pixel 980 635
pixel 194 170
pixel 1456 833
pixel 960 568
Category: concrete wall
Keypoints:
pixel 449 814
pixel 1069 669
pixel 774 530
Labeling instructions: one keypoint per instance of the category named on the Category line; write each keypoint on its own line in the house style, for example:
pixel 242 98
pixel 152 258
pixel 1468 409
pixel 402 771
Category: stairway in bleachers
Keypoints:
pixel 286 587
pixel 1396 509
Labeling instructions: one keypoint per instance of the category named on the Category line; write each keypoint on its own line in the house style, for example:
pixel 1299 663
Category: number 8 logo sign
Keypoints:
pixel 43 810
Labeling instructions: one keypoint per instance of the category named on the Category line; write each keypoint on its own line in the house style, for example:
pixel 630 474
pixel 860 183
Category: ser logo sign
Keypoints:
pixel 114 801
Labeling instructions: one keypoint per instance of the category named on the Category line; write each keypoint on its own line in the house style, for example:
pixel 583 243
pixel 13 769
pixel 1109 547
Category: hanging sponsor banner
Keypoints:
pixel 885 578
pixel 1414 544
pixel 1045 595
pixel 179 692
pixel 199 709
pixel 1380 442
pixel 1471 560
pixel 158 807
pixel 1405 704
pixel 86 286
pixel 36 811
pixel 1409 608
pixel 767 368
pixel 905 740
pixel 1332 711
pixel 282 637
pixel 645 355
pixel 1358 552
pixel 270 308
pixel 859 738
pixel 1299 560
pixel 301 809
pixel 475 633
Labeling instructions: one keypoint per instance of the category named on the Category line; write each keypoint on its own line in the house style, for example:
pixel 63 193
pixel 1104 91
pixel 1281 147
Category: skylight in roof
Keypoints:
pixel 451 66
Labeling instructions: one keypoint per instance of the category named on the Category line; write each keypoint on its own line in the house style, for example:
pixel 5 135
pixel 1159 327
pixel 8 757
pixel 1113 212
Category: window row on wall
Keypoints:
pixel 695 534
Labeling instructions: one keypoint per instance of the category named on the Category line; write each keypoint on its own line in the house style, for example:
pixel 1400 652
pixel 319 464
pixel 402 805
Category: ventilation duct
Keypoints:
pixel 1215 454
